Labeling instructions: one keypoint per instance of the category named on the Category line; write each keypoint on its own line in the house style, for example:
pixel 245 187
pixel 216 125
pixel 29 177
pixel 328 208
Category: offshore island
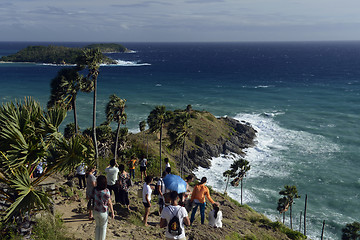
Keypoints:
pixel 62 55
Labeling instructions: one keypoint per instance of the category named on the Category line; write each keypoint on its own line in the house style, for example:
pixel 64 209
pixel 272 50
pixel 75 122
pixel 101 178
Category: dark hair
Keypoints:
pixel 148 179
pixel 203 180
pixel 112 162
pixel 216 208
pixel 101 183
pixel 90 168
pixel 173 195
pixel 168 170
pixel 190 177
pixel 121 167
pixel 166 160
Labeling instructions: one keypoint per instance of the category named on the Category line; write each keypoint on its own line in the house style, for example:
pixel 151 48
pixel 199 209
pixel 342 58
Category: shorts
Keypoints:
pixel 142 169
pixel 147 205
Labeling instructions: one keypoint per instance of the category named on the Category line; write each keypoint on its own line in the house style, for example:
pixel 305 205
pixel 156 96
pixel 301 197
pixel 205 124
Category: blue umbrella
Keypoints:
pixel 175 183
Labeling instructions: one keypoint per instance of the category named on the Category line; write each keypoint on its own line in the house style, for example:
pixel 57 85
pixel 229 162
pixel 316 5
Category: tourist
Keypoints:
pixel 112 178
pixel 174 229
pixel 215 216
pixel 187 195
pixel 102 201
pixel 143 164
pixel 161 191
pixel 124 180
pixel 198 197
pixel 80 174
pixel 132 164
pixel 90 185
pixel 167 164
pixel 146 198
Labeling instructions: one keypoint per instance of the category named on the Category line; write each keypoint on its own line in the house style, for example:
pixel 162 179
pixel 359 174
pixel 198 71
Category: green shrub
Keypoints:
pixel 48 227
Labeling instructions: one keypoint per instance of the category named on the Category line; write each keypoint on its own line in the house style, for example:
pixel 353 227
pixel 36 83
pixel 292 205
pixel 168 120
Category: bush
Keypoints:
pixel 48 227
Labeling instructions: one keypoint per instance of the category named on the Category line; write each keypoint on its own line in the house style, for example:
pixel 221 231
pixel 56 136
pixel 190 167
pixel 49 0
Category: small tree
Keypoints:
pixel 238 171
pixel 351 231
pixel 142 126
pixel 290 193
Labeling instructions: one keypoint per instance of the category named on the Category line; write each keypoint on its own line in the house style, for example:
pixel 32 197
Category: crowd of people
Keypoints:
pixel 174 206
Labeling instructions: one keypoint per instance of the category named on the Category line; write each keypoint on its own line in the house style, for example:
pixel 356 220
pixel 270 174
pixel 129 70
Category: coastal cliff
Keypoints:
pixel 208 137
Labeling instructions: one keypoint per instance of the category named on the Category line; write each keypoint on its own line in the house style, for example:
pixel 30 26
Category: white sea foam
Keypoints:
pixel 123 63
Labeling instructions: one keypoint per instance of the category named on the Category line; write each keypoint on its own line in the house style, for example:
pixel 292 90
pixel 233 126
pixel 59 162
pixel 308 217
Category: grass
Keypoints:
pixel 48 227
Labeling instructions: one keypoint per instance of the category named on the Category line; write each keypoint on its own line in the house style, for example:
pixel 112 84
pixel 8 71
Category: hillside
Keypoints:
pixel 208 137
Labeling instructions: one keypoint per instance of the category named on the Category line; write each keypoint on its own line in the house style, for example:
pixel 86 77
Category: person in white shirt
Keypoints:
pixel 174 210
pixel 146 198
pixel 80 173
pixel 215 216
pixel 167 164
pixel 112 173
pixel 143 164
pixel 161 189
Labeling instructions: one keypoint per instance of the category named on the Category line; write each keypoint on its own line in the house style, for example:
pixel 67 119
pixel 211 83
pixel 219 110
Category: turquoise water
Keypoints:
pixel 302 98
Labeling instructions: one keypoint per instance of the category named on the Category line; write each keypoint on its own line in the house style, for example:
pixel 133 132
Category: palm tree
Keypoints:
pixel 290 192
pixel 351 231
pixel 29 135
pixel 228 174
pixel 92 58
pixel 283 206
pixel 115 111
pixel 64 89
pixel 178 133
pixel 238 170
pixel 158 116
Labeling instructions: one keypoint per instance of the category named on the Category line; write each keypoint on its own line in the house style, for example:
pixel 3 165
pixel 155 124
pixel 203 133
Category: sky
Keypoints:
pixel 179 20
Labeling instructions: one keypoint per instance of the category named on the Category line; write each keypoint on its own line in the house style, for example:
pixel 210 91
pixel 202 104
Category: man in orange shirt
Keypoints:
pixel 132 164
pixel 198 196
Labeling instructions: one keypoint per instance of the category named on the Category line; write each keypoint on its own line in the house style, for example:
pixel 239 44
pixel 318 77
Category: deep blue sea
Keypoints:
pixel 302 98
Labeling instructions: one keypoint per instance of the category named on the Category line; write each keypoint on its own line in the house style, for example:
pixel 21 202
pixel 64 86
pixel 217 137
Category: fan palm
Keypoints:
pixel 27 136
pixel 64 89
pixel 178 133
pixel 91 59
pixel 290 192
pixel 115 111
pixel 238 170
pixel 158 116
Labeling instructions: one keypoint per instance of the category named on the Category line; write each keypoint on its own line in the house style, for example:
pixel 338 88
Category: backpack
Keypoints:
pixel 156 190
pixel 174 225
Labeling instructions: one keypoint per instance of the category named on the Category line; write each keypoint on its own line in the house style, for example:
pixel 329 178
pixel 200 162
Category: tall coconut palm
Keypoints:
pixel 158 116
pixel 115 111
pixel 178 134
pixel 64 89
pixel 91 59
pixel 291 193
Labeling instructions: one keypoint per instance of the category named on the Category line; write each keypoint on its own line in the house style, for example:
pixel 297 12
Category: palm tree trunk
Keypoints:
pixel 241 191
pixel 291 216
pixel 182 159
pixel 160 149
pixel 305 215
pixel 284 218
pixel 227 183
pixel 117 140
pixel 75 115
pixel 94 125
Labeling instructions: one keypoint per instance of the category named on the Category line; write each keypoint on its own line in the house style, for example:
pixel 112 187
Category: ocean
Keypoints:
pixel 303 98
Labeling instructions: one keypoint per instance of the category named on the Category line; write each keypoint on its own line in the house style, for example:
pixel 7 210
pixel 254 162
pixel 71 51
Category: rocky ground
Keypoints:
pixel 239 222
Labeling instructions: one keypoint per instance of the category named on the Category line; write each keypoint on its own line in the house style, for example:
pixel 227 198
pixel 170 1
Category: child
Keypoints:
pixel 215 216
